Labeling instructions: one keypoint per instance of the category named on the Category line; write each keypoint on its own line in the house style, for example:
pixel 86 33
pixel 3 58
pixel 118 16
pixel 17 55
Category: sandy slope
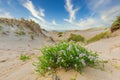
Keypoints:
pixel 11 68
pixel 87 34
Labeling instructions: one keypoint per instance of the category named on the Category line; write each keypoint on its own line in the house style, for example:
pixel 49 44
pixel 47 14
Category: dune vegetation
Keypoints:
pixel 21 24
pixel 24 57
pixel 66 55
pixel 76 38
pixel 98 37
pixel 0 27
pixel 60 34
pixel 116 24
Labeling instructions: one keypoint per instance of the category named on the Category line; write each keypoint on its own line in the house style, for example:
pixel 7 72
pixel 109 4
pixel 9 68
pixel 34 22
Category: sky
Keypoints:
pixel 63 14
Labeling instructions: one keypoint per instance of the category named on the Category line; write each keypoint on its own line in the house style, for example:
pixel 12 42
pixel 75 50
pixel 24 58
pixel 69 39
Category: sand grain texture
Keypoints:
pixel 11 68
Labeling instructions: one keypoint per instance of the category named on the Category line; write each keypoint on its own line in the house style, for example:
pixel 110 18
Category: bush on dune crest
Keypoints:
pixel 0 27
pixel 116 24
pixel 20 32
pixel 99 36
pixel 75 37
pixel 66 55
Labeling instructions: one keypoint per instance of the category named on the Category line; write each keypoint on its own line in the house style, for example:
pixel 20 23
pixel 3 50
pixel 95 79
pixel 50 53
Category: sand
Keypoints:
pixel 11 68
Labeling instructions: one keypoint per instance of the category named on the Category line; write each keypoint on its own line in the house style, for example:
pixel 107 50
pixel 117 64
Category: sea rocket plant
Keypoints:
pixel 67 55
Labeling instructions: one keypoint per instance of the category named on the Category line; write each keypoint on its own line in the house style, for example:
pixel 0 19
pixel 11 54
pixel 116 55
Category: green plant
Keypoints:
pixel 67 55
pixel 73 79
pixel 20 32
pixel 51 39
pixel 24 57
pixel 116 24
pixel 60 34
pixel 0 27
pixel 75 37
pixel 32 36
pixel 99 36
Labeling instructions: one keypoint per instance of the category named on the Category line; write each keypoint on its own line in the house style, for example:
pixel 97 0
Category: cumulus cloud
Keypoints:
pixel 36 13
pixel 98 4
pixel 38 16
pixel 106 18
pixel 89 23
pixel 4 13
pixel 71 11
pixel 54 22
pixel 102 15
pixel 109 15
pixel 48 26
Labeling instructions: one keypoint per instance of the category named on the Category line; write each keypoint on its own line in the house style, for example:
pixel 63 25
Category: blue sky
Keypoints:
pixel 63 14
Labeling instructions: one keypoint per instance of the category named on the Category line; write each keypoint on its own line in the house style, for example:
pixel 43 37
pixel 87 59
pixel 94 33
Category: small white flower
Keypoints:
pixel 62 60
pixel 58 60
pixel 60 67
pixel 52 60
pixel 49 68
pixel 82 54
pixel 91 58
pixel 67 65
pixel 69 47
pixel 76 57
pixel 76 49
pixel 75 65
pixel 61 51
pixel 83 62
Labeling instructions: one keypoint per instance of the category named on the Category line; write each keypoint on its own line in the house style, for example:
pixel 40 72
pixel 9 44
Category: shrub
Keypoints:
pixel 51 39
pixel 116 24
pixel 20 32
pixel 32 36
pixel 67 55
pixel 24 57
pixel 60 34
pixel 0 27
pixel 75 37
pixel 99 36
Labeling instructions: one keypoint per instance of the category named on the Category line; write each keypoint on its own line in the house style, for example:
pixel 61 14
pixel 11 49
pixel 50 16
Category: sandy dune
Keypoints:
pixel 87 34
pixel 11 68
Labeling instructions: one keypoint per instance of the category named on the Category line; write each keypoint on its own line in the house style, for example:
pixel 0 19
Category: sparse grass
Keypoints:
pixel 0 27
pixel 73 79
pixel 66 55
pixel 75 37
pixel 60 34
pixel 116 24
pixel 24 57
pixel 22 23
pixel 51 39
pixel 32 36
pixel 20 32
pixel 99 36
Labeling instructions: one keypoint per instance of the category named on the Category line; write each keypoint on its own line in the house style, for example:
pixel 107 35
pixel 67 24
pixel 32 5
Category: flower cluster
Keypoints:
pixel 67 55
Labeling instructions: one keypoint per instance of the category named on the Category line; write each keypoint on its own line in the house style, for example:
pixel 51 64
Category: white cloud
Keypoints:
pixel 54 22
pixel 109 15
pixel 98 4
pixel 89 23
pixel 106 18
pixel 71 11
pixel 37 14
pixel 48 26
pixel 102 15
pixel 5 14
